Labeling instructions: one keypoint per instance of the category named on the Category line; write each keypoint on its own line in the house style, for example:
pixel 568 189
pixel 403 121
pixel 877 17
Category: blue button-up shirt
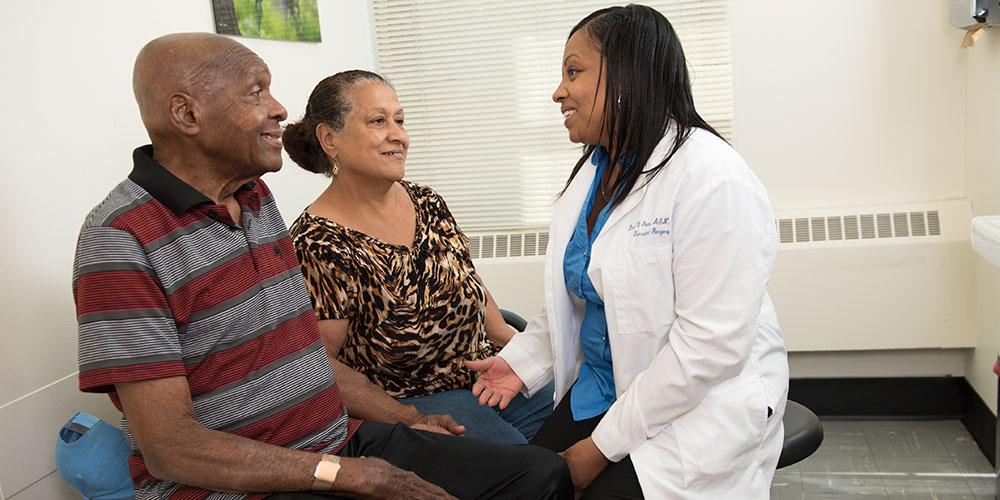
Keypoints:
pixel 594 391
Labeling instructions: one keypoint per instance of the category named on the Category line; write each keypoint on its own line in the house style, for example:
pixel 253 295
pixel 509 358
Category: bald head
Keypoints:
pixel 191 64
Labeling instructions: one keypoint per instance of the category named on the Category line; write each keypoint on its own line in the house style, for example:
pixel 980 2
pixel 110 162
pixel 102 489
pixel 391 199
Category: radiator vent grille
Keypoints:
pixel 901 225
pixel 918 223
pixel 802 229
pixel 851 231
pixel 790 230
pixel 859 226
pixel 867 226
pixel 835 226
pixel 933 223
pixel 486 248
pixel 527 244
pixel 884 225
pixel 818 228
pixel 785 230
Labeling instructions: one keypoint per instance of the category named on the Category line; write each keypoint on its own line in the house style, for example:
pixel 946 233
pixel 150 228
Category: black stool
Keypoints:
pixel 514 320
pixel 803 434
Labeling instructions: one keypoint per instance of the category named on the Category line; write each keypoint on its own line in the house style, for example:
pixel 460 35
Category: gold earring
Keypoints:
pixel 336 168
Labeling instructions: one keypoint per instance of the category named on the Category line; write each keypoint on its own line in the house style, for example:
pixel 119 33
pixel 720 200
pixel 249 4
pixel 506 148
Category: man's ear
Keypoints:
pixel 327 139
pixel 183 114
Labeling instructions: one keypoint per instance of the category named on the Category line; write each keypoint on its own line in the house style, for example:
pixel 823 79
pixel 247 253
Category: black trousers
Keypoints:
pixel 617 481
pixel 465 467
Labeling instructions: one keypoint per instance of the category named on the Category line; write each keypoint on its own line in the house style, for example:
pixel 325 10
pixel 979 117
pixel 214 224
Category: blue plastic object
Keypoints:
pixel 92 456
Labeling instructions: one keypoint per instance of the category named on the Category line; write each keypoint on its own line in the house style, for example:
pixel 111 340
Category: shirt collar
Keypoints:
pixel 174 193
pixel 601 156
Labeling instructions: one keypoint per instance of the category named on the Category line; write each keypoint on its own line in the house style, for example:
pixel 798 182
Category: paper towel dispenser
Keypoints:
pixel 964 14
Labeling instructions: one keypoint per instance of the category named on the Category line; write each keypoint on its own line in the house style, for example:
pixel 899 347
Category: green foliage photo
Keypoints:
pixel 273 19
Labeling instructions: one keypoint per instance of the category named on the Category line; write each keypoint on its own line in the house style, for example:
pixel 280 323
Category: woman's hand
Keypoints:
pixel 441 424
pixel 497 383
pixel 585 462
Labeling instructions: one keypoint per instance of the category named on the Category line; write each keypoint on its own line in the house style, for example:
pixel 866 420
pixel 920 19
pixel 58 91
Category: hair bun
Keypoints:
pixel 299 139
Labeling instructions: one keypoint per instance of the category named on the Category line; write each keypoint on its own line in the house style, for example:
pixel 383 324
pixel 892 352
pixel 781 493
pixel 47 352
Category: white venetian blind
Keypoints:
pixel 476 78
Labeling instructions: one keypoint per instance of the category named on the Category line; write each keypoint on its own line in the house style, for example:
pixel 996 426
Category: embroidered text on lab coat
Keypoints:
pixel 645 228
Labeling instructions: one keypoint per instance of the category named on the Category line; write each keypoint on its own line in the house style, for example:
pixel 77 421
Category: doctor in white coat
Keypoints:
pixel 670 369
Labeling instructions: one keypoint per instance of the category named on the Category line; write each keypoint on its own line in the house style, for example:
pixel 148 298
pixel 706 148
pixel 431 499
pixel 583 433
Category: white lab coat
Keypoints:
pixel 698 357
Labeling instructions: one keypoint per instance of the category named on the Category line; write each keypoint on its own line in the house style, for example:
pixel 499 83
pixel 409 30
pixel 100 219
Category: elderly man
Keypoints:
pixel 194 317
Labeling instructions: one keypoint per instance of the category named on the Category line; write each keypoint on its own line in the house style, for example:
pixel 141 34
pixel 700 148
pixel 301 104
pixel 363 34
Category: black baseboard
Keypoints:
pixel 981 422
pixel 900 398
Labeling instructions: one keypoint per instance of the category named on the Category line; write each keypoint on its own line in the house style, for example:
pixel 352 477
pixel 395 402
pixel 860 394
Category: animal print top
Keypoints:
pixel 415 313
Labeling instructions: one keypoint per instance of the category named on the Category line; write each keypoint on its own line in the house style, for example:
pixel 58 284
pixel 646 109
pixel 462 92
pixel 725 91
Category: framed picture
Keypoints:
pixel 296 20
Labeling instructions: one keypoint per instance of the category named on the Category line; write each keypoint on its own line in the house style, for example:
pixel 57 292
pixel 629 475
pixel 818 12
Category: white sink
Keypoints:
pixel 986 238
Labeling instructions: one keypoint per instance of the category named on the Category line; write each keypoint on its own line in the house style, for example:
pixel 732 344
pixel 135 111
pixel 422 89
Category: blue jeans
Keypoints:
pixel 516 424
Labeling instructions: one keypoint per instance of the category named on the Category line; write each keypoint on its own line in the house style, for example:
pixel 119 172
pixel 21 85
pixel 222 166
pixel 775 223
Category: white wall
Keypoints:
pixel 881 363
pixel 983 187
pixel 850 102
pixel 69 129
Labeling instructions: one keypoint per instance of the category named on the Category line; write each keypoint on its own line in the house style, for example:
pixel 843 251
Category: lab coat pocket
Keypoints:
pixel 643 291
pixel 723 433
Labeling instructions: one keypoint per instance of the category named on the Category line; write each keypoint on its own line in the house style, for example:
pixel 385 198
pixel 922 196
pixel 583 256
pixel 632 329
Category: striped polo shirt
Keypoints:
pixel 167 285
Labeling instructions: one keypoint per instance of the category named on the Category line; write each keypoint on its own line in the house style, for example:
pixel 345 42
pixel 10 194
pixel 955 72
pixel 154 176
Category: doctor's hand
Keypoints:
pixel 585 462
pixel 497 383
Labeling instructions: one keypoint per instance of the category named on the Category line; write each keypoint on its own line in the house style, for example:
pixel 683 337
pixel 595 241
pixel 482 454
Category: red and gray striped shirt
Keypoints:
pixel 167 285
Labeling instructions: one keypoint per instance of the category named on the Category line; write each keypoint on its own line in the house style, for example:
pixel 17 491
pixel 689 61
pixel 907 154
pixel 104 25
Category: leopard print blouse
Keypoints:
pixel 415 313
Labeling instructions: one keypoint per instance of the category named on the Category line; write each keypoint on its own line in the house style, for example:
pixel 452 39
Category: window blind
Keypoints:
pixel 476 80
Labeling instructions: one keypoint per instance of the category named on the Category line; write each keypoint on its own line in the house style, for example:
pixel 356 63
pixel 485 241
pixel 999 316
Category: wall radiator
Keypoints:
pixel 852 278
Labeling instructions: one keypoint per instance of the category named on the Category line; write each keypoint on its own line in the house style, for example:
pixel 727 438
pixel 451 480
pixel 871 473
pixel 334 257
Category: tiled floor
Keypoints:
pixel 935 460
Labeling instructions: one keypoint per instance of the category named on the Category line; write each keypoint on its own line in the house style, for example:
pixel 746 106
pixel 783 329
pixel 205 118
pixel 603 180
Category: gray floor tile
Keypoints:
pixel 842 426
pixel 918 465
pixel 838 463
pixel 982 488
pixel 924 485
pixel 956 438
pixel 903 439
pixel 978 473
pixel 845 442
pixel 934 460
pixel 848 496
pixel 787 485
pixel 933 496
pixel 841 452
pixel 972 463
pixel 842 485
pixel 981 484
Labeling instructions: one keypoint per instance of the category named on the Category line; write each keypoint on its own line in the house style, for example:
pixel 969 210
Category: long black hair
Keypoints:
pixel 647 90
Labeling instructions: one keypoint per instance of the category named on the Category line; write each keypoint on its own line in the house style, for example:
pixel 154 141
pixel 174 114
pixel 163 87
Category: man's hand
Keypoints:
pixel 377 479
pixel 497 383
pixel 585 462
pixel 441 424
pixel 367 401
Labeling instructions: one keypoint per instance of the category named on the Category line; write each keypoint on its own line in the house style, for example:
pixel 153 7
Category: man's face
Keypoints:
pixel 240 124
